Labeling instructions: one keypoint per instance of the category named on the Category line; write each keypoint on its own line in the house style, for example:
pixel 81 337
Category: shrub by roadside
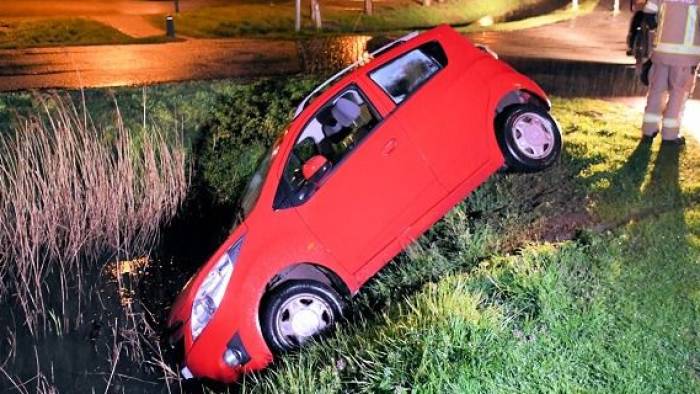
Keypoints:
pixel 244 122
pixel 263 18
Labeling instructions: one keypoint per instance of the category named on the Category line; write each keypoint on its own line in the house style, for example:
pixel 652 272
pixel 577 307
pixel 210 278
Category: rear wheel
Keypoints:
pixel 529 137
pixel 298 311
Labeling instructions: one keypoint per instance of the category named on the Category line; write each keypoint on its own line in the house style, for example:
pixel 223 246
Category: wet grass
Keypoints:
pixel 62 32
pixel 264 18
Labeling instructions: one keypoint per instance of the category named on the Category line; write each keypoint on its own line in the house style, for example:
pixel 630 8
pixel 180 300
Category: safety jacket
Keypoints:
pixel 677 40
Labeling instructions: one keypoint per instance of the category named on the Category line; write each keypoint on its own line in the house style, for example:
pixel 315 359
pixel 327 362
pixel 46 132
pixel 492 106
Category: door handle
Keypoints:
pixel 390 146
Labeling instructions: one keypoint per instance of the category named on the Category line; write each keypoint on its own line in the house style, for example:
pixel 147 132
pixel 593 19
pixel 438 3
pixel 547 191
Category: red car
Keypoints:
pixel 373 158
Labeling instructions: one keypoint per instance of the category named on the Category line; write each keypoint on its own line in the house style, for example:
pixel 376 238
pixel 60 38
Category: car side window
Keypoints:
pixel 334 132
pixel 405 74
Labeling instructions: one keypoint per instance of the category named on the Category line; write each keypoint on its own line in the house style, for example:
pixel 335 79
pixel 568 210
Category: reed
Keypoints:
pixel 73 194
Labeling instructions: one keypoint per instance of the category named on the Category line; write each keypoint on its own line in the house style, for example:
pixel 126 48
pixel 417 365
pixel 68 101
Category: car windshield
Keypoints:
pixel 252 191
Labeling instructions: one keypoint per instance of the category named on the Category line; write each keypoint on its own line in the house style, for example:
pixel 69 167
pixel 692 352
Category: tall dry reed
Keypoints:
pixel 72 194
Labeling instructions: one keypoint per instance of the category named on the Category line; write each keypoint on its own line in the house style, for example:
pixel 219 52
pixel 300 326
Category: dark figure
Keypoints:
pixel 634 32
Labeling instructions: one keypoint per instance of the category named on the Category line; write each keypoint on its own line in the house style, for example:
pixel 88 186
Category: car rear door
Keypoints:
pixel 358 209
pixel 441 109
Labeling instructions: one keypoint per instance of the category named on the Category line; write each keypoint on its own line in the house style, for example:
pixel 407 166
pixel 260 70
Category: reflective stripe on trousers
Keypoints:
pixel 677 82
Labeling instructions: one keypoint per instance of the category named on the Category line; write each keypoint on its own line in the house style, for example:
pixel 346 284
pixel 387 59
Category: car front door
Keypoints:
pixel 356 209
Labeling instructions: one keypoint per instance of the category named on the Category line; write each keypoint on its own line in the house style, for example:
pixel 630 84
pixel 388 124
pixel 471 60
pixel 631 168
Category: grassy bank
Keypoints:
pixel 277 18
pixel 583 278
pixel 599 314
pixel 560 15
pixel 62 32
pixel 226 124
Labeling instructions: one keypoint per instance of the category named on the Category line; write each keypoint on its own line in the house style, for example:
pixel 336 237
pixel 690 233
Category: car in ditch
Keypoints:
pixel 372 159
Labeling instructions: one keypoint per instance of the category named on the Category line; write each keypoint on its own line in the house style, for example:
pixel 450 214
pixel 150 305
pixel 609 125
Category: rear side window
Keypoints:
pixel 404 75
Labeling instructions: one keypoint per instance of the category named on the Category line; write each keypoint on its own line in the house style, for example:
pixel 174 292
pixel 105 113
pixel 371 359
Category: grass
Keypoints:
pixel 560 15
pixel 553 318
pixel 62 32
pixel 263 18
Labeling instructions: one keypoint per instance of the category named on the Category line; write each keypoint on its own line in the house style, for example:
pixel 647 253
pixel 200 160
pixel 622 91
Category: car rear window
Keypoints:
pixel 405 74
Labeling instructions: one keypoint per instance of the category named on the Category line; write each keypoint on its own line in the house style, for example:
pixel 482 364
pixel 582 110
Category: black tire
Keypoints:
pixel 509 137
pixel 275 300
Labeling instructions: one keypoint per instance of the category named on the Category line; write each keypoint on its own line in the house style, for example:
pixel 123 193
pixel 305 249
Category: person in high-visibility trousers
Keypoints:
pixel 675 58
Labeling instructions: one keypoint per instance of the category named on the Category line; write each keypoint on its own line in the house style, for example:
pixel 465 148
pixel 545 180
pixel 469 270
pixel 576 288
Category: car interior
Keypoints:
pixel 334 132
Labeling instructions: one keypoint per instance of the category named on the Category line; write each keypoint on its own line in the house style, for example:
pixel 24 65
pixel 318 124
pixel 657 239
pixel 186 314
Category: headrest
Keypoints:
pixel 345 111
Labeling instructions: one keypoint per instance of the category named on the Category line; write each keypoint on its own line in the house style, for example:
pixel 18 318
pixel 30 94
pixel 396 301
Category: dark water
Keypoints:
pixel 115 344
pixel 581 79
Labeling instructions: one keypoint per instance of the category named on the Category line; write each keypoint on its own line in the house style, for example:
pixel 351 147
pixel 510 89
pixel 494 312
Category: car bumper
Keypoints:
pixel 229 346
pixel 209 360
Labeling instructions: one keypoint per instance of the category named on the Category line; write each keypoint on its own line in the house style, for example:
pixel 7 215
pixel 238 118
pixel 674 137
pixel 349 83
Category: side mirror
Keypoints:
pixel 313 166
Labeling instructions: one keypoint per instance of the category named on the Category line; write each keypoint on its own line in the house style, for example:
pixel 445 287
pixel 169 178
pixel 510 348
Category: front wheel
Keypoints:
pixel 529 137
pixel 297 311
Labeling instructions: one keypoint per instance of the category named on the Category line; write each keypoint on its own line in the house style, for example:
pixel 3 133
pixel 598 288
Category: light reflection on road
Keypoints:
pixel 126 65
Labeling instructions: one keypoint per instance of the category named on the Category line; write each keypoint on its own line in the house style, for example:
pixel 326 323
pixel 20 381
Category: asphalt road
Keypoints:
pixel 594 38
pixel 598 38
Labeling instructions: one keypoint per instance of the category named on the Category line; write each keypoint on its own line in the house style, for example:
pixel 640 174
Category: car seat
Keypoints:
pixel 336 121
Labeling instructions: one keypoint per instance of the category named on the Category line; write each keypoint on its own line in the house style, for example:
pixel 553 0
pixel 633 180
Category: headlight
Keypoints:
pixel 212 290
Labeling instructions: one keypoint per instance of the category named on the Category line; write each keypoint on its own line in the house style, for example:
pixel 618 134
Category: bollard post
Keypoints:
pixel 616 7
pixel 170 26
pixel 297 16
pixel 177 6
pixel 574 5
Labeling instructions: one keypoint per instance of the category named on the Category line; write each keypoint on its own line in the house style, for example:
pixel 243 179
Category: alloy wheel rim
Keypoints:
pixel 302 317
pixel 533 135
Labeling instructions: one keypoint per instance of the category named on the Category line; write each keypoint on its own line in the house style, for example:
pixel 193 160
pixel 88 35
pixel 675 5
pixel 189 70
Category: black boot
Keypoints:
pixel 648 139
pixel 678 141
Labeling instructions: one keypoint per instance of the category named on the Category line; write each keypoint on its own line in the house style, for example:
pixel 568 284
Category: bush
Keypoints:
pixel 245 119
